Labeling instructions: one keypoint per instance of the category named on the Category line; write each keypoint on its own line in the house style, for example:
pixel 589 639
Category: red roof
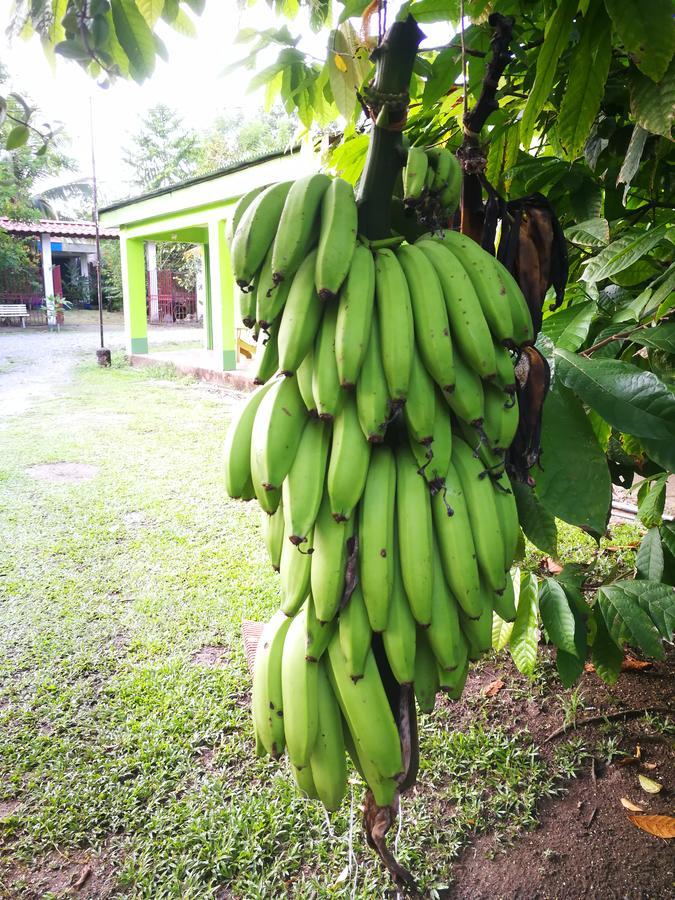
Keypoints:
pixel 56 228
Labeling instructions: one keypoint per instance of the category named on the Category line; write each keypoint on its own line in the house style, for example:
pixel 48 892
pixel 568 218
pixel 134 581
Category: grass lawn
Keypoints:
pixel 124 719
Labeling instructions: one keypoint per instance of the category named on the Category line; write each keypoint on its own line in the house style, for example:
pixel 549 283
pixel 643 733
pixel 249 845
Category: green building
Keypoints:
pixel 195 211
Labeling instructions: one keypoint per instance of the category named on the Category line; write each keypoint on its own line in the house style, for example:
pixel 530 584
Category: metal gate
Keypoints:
pixel 172 304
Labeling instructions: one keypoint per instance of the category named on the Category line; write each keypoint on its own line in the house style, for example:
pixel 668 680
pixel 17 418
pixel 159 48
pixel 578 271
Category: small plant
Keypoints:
pixel 571 705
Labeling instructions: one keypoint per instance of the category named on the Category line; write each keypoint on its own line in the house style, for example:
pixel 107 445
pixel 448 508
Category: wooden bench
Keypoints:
pixel 14 311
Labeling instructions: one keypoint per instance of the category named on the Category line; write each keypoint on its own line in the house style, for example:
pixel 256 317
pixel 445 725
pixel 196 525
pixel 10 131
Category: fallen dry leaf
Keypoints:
pixel 628 664
pixel 493 688
pixel 649 765
pixel 631 806
pixel 652 787
pixel 660 826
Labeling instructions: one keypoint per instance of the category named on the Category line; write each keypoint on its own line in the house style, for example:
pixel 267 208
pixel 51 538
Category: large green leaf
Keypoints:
pixel 639 612
pixel 632 400
pixel 434 10
pixel 606 655
pixel 653 105
pixel 135 38
pixel 652 501
pixel 574 482
pixel 353 9
pixel 649 559
pixel 589 68
pixel 568 328
pixel 537 523
pixel 662 337
pixel 151 10
pixel 620 254
pixel 591 233
pixel 557 34
pixel 647 33
pixel 341 74
pixel 556 615
pixel 524 635
pixel 444 70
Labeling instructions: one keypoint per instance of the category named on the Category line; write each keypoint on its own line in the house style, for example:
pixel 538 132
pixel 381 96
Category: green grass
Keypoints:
pixel 112 587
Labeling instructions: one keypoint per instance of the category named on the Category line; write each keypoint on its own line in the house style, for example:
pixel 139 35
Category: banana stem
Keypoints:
pixel 387 100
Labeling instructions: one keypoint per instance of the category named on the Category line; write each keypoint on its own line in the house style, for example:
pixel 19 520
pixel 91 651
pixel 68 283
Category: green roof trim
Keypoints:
pixel 200 179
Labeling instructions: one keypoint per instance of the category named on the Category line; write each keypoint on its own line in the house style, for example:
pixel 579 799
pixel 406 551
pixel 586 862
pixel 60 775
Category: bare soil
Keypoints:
pixel 585 846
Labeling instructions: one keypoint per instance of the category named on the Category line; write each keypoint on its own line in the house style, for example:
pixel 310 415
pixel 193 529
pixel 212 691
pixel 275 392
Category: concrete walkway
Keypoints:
pixel 36 364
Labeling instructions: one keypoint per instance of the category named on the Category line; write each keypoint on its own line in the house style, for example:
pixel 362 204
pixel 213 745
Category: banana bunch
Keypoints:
pixel 432 180
pixel 375 447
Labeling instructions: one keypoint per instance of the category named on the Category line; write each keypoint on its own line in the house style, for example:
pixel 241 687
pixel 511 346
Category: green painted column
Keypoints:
pixel 132 255
pixel 221 292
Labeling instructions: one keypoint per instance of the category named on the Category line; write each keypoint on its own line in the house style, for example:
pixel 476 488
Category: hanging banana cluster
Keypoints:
pixel 375 448
pixel 432 180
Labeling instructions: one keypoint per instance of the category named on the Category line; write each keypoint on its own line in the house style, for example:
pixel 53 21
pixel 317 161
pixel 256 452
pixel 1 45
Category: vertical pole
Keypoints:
pixel 221 295
pixel 153 289
pixel 47 278
pixel 132 257
pixel 103 358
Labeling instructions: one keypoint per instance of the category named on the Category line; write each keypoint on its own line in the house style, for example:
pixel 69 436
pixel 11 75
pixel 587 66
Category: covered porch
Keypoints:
pixel 195 212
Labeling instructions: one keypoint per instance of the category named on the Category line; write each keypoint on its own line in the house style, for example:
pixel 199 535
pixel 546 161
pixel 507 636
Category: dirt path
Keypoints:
pixel 35 364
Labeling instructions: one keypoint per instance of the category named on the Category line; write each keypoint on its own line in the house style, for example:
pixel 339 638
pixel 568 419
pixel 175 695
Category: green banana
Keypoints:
pixel 267 694
pixel 470 332
pixel 396 324
pixel 299 689
pixel 426 673
pixel 414 175
pixel 445 636
pixel 325 382
pixel 455 543
pixel 355 316
pixel 420 409
pixel 355 633
pixel 441 160
pixel 505 603
pixel 256 230
pixel 507 512
pixel 349 461
pixel 269 498
pixel 480 502
pixel 237 449
pixel 304 376
pixel 277 429
pixel 376 536
pixel 328 762
pixel 452 681
pixel 304 782
pixel 467 401
pixel 400 636
pixel 384 790
pixel 506 375
pixel 303 486
pixel 273 534
pixel 297 225
pixel 365 706
pixel 485 280
pixel 372 395
pixel 240 208
pixel 478 631
pixel 501 417
pixel 493 461
pixel 433 461
pixel 430 315
pixel 294 568
pixel 523 330
pixel 270 297
pixel 318 633
pixel 451 193
pixel 337 238
pixel 267 354
pixel 329 562
pixel 415 535
pixel 246 304
pixel 300 319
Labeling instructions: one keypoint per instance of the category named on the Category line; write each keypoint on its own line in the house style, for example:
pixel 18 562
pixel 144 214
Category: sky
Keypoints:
pixel 191 82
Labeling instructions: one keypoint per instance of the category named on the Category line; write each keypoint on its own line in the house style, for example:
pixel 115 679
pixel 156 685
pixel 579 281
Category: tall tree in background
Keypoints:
pixel 162 151
pixel 235 137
